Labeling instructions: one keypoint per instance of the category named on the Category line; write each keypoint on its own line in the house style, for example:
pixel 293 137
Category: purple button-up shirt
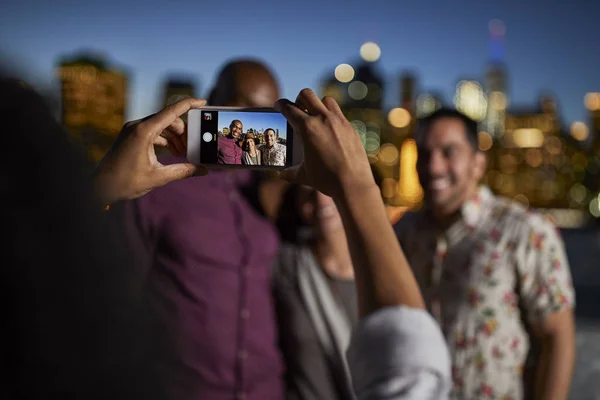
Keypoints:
pixel 208 255
pixel 228 151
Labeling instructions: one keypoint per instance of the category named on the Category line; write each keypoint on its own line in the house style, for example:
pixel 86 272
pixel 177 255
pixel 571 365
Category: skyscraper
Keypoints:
pixel 495 81
pixel 592 104
pixel 94 97
pixel 408 88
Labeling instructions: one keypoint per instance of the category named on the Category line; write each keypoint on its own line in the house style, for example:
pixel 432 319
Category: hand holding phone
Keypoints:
pixel 235 137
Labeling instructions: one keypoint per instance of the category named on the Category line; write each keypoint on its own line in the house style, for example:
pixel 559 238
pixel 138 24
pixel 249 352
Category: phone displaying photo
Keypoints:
pixel 231 137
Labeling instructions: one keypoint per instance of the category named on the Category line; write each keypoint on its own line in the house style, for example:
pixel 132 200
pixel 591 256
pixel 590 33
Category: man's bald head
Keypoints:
pixel 245 83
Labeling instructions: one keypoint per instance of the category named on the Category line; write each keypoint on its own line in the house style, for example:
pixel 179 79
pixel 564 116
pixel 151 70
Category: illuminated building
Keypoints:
pixel 470 99
pixel 497 100
pixel 176 89
pixel 333 88
pixel 495 81
pixel 94 98
pixel 592 104
pixel 535 162
pixel 408 88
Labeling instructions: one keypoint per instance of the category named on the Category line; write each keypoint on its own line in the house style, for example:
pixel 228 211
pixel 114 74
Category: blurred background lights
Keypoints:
pixel 370 51
pixel 592 101
pixel 578 192
pixel 344 73
pixel 470 100
pixel 426 104
pixel 595 207
pixel 409 188
pixel 579 131
pixel 389 187
pixel 485 141
pixel 528 137
pixel 357 90
pixel 497 27
pixel 388 154
pixel 399 117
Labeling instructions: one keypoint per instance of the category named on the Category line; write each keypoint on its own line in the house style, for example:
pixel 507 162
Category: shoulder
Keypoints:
pixel 520 220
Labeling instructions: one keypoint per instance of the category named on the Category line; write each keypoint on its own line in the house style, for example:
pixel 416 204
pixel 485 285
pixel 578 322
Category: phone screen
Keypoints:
pixel 251 138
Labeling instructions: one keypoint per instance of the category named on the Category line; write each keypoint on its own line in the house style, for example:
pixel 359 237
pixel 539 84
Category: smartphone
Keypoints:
pixel 237 137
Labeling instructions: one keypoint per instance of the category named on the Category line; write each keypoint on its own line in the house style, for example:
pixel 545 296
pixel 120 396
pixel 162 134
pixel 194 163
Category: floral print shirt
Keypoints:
pixel 274 155
pixel 491 273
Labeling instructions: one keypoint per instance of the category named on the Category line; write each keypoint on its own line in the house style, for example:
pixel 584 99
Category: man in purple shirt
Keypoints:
pixel 229 152
pixel 207 278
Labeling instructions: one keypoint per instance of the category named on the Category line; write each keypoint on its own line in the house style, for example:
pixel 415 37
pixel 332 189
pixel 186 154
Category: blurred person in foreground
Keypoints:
pixel 494 275
pixel 206 278
pixel 315 295
pixel 397 351
pixel 74 324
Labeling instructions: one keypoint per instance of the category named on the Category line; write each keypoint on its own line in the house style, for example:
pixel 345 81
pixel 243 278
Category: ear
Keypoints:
pixel 480 165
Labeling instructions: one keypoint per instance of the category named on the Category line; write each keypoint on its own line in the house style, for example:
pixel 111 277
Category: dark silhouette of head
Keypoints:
pixel 244 83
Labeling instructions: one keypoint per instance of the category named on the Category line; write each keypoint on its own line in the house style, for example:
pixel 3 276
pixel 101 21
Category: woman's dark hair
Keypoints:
pixel 290 223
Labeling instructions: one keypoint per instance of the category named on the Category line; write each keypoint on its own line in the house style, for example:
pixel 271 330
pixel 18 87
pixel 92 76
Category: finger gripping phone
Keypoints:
pixel 235 137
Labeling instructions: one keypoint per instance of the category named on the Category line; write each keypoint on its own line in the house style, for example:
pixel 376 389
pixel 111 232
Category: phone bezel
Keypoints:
pixel 195 141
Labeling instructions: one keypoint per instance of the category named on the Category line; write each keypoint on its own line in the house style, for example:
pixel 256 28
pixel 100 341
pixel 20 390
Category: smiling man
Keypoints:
pixel 494 275
pixel 229 152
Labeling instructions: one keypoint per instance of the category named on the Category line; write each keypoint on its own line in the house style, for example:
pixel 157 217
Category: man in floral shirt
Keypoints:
pixel 494 275
pixel 273 153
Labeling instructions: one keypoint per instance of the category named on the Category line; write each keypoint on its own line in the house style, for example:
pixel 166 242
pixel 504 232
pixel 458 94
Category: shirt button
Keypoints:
pixel 232 196
pixel 242 355
pixel 241 395
pixel 245 313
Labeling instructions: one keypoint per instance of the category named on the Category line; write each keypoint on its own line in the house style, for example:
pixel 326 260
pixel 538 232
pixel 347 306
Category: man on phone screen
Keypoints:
pixel 273 153
pixel 228 150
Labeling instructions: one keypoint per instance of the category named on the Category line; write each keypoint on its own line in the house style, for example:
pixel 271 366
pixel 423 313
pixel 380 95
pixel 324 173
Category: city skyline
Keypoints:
pixel 254 120
pixel 442 47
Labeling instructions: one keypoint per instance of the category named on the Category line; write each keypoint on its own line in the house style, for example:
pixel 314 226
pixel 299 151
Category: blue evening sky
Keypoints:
pixel 255 120
pixel 550 46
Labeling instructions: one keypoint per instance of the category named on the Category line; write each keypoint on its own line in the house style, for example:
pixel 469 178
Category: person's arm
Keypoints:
pixel 548 300
pixel 556 334
pixel 131 169
pixel 387 356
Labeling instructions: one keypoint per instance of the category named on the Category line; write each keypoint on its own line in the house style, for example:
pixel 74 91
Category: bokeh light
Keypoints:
pixel 592 101
pixel 389 187
pixel 470 100
pixel 399 117
pixel 409 188
pixel 578 192
pixel 388 154
pixel 485 141
pixel 528 137
pixel 579 131
pixel 357 90
pixel 370 51
pixel 344 73
pixel 498 101
pixel 595 206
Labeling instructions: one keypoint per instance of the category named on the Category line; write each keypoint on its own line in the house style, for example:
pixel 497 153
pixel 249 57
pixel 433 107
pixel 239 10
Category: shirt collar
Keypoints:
pixel 472 210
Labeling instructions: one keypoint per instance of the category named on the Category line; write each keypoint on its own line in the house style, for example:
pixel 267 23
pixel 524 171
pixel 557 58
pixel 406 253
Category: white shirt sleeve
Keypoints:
pixel 399 353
